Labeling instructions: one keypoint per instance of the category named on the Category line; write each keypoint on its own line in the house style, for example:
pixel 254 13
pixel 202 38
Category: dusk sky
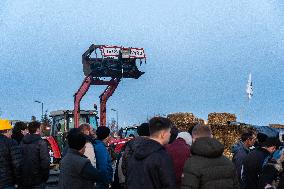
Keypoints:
pixel 199 56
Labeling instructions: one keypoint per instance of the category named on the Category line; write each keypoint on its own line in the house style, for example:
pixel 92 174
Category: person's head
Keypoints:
pixel 248 139
pixel 271 144
pixel 174 134
pixel 143 129
pixel 160 129
pixel 34 127
pixel 5 128
pixel 76 140
pixel 103 133
pixel 261 137
pixel 20 128
pixel 200 130
pixel 85 128
pixel 186 137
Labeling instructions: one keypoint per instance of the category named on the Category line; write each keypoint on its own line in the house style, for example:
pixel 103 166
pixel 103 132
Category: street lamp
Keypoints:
pixel 116 116
pixel 41 108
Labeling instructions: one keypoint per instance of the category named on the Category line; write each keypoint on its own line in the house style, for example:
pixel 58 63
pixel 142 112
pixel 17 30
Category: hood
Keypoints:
pixel 31 138
pixel 207 147
pixel 146 147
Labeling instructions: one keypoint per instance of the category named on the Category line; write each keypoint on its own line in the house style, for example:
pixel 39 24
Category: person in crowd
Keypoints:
pixel 103 159
pixel 150 166
pixel 271 170
pixel 208 168
pixel 253 163
pixel 36 159
pixel 174 134
pixel 10 157
pixel 19 131
pixel 179 150
pixel 85 128
pixel 241 150
pixel 76 170
pixel 120 175
pixel 261 137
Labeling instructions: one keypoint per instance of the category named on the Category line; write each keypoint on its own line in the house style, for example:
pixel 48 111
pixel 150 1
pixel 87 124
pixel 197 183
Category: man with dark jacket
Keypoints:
pixel 150 166
pixel 241 150
pixel 208 168
pixel 253 163
pixel 10 157
pixel 76 170
pixel 36 159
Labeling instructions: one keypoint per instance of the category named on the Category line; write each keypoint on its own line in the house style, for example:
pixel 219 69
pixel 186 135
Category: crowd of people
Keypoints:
pixel 161 157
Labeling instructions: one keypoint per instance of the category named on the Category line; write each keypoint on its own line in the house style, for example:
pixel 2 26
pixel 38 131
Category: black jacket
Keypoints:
pixel 10 162
pixel 150 167
pixel 208 168
pixel 76 172
pixel 36 160
pixel 252 167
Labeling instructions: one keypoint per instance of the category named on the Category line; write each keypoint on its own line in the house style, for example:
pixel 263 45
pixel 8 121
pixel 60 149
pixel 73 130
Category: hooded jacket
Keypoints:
pixel 10 162
pixel 76 172
pixel 240 152
pixel 150 167
pixel 35 160
pixel 252 166
pixel 208 168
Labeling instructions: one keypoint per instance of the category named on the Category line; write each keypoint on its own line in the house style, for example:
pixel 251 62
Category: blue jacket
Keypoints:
pixel 103 162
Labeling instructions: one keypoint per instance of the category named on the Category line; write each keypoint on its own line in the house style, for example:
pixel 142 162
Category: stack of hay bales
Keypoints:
pixel 227 134
pixel 221 118
pixel 184 121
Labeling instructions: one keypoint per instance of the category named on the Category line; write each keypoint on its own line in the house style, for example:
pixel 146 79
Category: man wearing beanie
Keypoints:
pixel 103 160
pixel 179 150
pixel 130 146
pixel 76 170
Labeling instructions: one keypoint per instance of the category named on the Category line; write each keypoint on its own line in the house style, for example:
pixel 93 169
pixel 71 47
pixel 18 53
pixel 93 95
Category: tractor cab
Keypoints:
pixel 63 120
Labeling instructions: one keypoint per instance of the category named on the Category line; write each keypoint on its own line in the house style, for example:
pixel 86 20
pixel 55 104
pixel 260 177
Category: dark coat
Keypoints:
pixel 208 168
pixel 76 172
pixel 240 152
pixel 281 181
pixel 150 167
pixel 179 152
pixel 36 160
pixel 252 167
pixel 10 162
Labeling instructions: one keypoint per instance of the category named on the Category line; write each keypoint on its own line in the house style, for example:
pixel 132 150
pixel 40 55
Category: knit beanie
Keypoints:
pixel 185 136
pixel 76 139
pixel 102 133
pixel 143 129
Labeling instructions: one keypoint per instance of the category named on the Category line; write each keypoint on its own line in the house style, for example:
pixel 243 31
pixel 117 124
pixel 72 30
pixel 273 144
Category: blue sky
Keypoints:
pixel 199 56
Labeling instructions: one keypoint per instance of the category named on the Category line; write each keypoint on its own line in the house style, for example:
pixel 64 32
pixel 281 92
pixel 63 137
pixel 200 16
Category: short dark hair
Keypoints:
pixel 247 135
pixel 19 126
pixel 201 130
pixel 76 139
pixel 271 141
pixel 33 126
pixel 157 124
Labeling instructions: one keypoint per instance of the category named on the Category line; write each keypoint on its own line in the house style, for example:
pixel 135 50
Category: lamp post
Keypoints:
pixel 116 116
pixel 41 108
